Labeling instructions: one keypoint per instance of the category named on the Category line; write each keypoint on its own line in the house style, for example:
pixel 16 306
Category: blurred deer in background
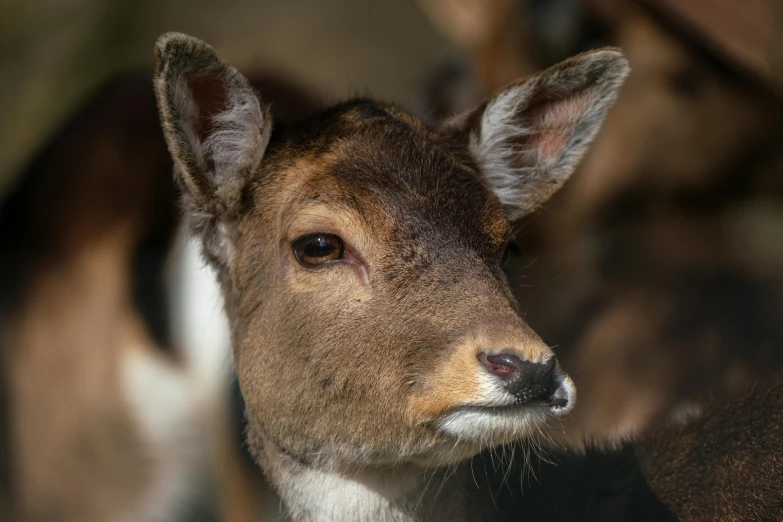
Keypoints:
pixel 662 257
pixel 117 363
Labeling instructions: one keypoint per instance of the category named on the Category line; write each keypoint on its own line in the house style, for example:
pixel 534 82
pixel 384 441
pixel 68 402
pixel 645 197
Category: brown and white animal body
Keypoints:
pixel 115 378
pixel 93 383
pixel 360 258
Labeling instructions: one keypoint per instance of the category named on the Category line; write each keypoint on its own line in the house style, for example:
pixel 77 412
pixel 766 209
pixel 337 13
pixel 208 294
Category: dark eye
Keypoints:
pixel 316 249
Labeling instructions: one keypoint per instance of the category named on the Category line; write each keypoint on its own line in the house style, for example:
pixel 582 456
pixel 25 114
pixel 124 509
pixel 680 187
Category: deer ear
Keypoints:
pixel 217 131
pixel 529 139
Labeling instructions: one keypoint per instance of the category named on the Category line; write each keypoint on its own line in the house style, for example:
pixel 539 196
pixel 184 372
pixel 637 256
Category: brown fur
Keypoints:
pixel 730 456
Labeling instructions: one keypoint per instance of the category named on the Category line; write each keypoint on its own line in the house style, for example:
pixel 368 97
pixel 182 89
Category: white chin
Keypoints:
pixel 491 426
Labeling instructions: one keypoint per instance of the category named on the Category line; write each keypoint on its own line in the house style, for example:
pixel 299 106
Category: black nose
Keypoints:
pixel 528 381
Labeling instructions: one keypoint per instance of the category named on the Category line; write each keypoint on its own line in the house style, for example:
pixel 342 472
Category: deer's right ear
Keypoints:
pixel 529 138
pixel 216 129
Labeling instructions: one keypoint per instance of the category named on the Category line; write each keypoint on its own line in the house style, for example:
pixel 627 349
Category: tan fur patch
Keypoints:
pixel 457 382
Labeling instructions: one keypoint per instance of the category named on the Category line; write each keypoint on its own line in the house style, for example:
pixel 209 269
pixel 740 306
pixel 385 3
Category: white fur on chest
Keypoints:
pixel 319 496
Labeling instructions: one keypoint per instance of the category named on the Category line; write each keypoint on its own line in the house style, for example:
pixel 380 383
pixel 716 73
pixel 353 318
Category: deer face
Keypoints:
pixel 360 256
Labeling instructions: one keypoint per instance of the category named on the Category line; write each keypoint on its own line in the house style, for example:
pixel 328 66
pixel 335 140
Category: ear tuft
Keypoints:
pixel 216 130
pixel 529 139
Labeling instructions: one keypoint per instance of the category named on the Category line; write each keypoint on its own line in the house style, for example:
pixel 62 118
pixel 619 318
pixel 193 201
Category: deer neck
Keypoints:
pixel 389 495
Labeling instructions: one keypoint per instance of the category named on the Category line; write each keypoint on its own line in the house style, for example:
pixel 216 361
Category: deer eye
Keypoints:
pixel 316 249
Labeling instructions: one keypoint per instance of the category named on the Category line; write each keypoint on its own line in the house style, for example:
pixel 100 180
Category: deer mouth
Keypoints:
pixel 517 408
pixel 494 424
pixel 509 417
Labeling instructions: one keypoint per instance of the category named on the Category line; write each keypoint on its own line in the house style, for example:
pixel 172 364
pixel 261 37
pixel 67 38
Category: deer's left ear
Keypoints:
pixel 217 131
pixel 529 139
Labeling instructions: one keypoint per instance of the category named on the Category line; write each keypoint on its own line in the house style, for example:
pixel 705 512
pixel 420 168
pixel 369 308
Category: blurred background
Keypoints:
pixel 657 271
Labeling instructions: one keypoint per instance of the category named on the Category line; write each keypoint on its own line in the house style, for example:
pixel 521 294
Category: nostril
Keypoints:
pixel 526 380
pixel 503 365
pixel 559 398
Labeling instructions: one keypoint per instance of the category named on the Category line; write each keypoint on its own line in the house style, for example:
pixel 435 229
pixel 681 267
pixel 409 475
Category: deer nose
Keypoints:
pixel 528 381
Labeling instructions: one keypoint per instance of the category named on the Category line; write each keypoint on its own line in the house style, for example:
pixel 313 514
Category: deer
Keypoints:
pixel 376 340
pixel 359 254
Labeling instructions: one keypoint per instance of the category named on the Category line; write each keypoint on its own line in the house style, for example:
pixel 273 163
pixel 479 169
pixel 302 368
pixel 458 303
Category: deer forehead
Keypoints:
pixel 379 176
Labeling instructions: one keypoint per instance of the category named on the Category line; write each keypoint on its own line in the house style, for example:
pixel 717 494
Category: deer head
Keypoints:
pixel 360 255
